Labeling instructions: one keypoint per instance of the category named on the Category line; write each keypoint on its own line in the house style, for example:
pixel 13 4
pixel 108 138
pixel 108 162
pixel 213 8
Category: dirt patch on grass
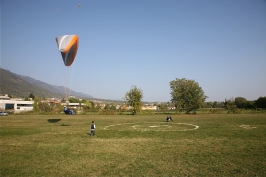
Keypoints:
pixel 247 126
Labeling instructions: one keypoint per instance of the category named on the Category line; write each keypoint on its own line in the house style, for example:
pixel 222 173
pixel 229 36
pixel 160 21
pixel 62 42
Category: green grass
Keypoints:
pixel 125 145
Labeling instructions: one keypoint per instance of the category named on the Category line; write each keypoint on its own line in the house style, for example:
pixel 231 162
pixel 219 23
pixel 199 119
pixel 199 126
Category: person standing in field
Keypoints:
pixel 93 127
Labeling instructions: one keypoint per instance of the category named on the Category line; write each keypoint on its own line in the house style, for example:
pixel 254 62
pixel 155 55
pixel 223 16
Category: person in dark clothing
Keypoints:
pixel 170 118
pixel 66 110
pixel 93 127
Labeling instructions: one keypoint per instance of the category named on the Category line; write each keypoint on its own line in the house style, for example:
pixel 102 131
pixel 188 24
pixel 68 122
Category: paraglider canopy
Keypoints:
pixel 68 46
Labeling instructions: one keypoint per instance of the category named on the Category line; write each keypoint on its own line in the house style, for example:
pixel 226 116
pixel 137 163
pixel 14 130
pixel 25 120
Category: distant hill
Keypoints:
pixel 21 86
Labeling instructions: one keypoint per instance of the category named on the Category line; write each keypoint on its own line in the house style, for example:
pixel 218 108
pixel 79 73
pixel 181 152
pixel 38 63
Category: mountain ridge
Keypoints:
pixel 21 86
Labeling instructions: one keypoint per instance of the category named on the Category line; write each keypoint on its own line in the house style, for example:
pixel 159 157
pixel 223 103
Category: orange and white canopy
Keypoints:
pixel 68 46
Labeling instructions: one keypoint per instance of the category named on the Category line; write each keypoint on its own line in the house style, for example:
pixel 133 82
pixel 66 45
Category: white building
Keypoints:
pixel 17 105
pixel 149 108
pixel 73 105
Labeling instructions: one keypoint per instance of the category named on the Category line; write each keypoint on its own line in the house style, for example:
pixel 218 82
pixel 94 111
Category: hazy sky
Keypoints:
pixel 221 44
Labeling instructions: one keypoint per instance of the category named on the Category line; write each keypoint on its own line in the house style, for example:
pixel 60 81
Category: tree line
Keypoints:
pixel 186 96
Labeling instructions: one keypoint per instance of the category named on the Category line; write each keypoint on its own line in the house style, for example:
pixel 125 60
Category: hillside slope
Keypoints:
pixel 21 86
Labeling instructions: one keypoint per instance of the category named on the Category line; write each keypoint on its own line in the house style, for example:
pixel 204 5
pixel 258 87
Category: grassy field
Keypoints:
pixel 192 145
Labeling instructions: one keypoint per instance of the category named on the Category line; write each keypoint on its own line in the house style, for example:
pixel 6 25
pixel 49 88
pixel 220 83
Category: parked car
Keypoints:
pixel 3 113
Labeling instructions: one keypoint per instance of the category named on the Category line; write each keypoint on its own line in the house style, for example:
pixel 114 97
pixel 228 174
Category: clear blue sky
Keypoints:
pixel 147 43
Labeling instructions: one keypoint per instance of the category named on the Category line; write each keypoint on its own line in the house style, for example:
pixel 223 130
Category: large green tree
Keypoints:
pixel 261 102
pixel 134 99
pixel 187 95
pixel 241 102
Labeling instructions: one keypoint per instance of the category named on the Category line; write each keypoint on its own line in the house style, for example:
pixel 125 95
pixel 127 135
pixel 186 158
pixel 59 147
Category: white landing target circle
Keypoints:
pixel 152 126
